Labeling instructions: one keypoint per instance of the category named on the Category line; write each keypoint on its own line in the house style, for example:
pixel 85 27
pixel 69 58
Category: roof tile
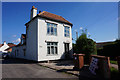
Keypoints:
pixel 53 16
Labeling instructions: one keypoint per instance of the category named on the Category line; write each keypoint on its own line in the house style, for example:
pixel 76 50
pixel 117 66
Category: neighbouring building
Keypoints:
pixel 19 51
pixel 48 37
pixel 5 48
pixel 102 44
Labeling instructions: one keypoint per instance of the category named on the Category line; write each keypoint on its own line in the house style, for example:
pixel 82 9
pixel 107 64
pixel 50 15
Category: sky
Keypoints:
pixel 99 18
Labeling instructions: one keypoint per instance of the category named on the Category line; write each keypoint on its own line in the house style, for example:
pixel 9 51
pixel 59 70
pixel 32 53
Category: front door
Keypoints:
pixel 66 48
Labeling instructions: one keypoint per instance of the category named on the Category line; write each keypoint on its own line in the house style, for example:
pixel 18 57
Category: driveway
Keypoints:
pixel 17 68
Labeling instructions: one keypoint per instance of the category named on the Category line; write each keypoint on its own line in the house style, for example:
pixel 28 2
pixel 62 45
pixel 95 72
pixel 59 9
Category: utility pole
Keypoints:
pixel 76 35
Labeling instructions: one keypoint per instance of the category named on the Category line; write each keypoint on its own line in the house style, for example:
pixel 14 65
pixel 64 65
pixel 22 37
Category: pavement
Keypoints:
pixel 17 68
pixel 61 66
pixel 67 67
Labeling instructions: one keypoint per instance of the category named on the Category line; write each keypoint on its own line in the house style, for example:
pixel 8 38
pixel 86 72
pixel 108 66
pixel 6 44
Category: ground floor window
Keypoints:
pixel 52 48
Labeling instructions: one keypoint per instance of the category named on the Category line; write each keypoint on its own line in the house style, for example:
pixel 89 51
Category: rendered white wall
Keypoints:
pixel 43 38
pixel 20 53
pixel 4 47
pixel 33 13
pixel 37 38
pixel 31 41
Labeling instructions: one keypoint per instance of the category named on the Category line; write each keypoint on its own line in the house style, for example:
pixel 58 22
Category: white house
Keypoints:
pixel 48 37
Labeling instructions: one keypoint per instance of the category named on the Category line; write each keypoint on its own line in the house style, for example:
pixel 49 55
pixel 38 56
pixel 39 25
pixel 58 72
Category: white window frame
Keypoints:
pixel 67 33
pixel 54 26
pixel 54 45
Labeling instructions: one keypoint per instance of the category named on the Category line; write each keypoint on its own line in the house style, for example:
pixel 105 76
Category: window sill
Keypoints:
pixel 66 37
pixel 51 35
pixel 51 54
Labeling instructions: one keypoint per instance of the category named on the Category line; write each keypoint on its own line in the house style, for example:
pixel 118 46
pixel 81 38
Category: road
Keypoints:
pixel 16 68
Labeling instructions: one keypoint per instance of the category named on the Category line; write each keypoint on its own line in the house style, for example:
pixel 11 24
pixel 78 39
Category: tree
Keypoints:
pixel 85 46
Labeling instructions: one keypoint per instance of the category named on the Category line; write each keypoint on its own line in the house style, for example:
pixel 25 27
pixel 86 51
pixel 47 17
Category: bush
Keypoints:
pixel 85 46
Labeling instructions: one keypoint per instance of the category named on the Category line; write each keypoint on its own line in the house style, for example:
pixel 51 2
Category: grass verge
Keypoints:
pixel 113 62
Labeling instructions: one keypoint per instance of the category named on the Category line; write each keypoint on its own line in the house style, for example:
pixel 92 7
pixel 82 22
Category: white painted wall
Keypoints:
pixel 37 38
pixel 31 41
pixel 20 53
pixel 43 38
pixel 33 13
pixel 4 47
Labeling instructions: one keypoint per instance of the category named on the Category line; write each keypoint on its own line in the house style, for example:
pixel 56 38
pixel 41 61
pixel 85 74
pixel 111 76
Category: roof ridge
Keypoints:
pixel 50 13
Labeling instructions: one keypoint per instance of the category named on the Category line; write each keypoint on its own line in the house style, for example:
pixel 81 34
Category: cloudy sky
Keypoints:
pixel 99 18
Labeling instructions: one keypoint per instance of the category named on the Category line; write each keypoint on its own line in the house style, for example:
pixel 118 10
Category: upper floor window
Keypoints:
pixel 66 31
pixel 51 29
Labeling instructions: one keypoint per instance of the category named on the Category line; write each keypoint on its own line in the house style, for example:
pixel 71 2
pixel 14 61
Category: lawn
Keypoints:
pixel 113 62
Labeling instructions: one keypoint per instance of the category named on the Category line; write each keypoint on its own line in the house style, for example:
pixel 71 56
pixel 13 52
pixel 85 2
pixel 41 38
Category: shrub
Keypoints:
pixel 85 46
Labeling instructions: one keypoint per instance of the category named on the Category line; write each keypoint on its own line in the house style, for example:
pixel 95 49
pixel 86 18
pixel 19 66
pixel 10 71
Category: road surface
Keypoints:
pixel 17 68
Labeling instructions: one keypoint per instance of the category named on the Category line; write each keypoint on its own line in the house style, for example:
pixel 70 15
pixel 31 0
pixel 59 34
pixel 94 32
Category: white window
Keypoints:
pixel 52 48
pixel 52 29
pixel 66 31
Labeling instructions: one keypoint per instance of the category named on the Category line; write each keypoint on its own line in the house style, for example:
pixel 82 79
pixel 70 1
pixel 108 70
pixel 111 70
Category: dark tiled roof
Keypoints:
pixel 11 45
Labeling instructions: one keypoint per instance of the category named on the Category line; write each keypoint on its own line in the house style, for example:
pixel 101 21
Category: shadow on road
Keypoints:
pixel 17 61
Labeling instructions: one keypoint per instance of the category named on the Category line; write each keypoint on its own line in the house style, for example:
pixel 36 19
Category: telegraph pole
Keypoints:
pixel 76 35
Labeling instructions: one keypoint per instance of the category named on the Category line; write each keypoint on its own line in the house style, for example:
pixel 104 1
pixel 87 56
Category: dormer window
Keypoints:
pixel 52 29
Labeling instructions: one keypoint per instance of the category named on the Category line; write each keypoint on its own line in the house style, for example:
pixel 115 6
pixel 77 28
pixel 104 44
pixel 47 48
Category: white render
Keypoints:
pixel 31 41
pixel 19 54
pixel 4 47
pixel 36 46
pixel 42 45
pixel 33 13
